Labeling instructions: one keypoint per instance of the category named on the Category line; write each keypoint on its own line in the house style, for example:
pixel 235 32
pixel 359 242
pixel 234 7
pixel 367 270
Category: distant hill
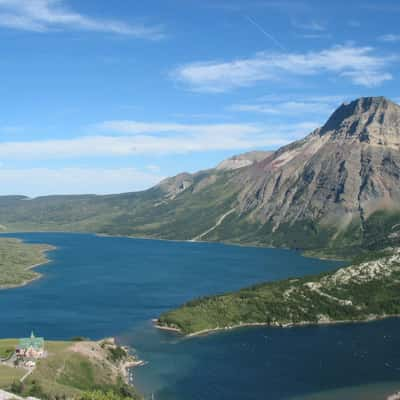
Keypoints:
pixel 337 191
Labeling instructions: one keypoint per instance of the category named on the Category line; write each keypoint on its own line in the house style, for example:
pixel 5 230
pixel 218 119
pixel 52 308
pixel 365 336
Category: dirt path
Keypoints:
pixel 27 374
pixel 219 222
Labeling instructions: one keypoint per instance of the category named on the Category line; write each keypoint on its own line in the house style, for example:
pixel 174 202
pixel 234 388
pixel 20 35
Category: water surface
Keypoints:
pixel 102 286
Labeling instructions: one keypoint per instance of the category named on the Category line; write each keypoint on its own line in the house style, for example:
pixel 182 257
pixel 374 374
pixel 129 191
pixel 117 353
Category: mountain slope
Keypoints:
pixel 347 169
pixel 329 185
pixel 337 190
pixel 176 208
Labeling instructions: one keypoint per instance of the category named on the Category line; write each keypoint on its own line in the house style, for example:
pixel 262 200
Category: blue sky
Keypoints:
pixel 103 97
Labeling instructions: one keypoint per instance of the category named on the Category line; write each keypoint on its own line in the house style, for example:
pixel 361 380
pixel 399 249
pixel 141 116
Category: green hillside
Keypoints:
pixel 189 214
pixel 70 370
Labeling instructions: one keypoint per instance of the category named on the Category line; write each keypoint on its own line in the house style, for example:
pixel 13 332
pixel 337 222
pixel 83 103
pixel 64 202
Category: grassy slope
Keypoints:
pixel 8 375
pixel 294 301
pixel 67 372
pixel 146 213
pixel 16 258
pixel 7 347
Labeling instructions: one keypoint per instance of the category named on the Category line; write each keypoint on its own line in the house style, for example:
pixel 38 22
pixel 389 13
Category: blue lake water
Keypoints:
pixel 102 286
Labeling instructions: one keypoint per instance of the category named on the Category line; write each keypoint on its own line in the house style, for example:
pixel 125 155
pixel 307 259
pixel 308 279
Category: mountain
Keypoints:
pixel 347 169
pixel 333 181
pixel 334 192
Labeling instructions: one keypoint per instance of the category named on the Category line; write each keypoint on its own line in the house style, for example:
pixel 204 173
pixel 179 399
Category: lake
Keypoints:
pixel 111 286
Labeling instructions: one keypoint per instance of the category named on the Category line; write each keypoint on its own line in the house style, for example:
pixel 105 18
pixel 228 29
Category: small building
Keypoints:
pixel 30 348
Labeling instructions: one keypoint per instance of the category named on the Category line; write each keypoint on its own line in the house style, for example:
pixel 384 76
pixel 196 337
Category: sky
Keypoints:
pixel 108 97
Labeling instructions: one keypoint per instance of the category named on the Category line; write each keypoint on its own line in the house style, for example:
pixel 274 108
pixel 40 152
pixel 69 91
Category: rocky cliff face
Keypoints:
pixel 342 172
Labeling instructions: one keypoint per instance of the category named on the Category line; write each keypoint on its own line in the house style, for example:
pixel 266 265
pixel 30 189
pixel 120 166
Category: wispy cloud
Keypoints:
pixel 359 64
pixel 42 181
pixel 390 37
pixel 47 15
pixel 314 105
pixel 130 138
pixel 310 25
pixel 137 127
pixel 315 35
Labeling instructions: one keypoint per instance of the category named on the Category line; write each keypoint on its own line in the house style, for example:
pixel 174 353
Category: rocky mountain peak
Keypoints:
pixel 375 120
pixel 341 173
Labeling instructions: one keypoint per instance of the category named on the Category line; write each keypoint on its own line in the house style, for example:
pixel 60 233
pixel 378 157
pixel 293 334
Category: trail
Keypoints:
pixel 219 222
pixel 27 374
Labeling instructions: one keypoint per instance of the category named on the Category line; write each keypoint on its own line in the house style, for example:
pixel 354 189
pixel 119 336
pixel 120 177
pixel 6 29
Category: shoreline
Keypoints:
pixel 120 367
pixel 164 328
pixel 303 252
pixel 38 275
pixel 210 331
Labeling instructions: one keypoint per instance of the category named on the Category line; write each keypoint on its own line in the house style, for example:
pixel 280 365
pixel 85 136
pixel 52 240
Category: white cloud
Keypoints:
pixel 136 127
pixel 42 181
pixel 129 138
pixel 45 15
pixel 390 37
pixel 286 108
pixel 281 105
pixel 359 64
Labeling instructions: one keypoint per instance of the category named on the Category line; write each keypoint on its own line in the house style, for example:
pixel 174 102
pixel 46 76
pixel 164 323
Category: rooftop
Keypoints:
pixel 31 342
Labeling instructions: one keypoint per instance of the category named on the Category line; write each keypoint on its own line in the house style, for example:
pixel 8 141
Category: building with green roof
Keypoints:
pixel 32 347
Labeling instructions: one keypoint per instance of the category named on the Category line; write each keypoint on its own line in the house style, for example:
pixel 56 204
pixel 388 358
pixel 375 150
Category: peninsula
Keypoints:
pixel 366 290
pixel 18 260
